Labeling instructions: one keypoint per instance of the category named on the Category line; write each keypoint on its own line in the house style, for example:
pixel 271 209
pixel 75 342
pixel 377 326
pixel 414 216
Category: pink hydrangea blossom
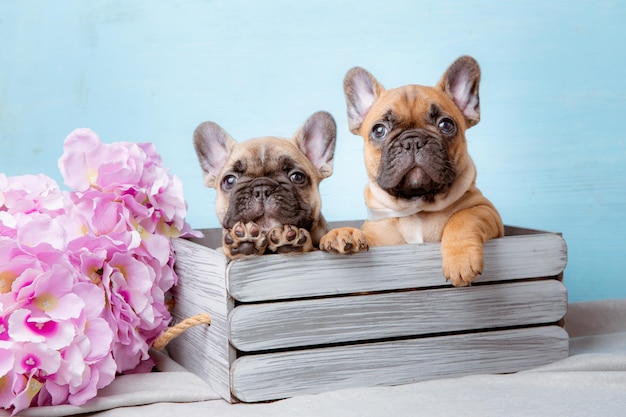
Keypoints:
pixel 84 273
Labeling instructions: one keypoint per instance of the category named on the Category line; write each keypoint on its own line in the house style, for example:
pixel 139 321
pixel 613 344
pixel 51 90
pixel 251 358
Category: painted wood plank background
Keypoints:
pixel 279 375
pixel 550 146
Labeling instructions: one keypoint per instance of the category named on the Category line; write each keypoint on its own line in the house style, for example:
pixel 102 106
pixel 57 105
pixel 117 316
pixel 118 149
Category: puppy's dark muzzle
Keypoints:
pixel 416 163
pixel 267 202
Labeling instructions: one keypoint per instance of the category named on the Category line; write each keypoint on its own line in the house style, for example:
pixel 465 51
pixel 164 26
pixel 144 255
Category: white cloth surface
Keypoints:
pixel 591 382
pixel 173 384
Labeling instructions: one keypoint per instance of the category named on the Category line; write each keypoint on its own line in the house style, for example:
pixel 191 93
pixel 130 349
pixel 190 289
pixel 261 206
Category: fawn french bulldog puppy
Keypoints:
pixel 267 196
pixel 422 181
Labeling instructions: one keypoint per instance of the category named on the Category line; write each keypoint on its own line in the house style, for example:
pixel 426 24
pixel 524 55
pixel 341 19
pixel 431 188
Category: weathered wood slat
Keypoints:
pixel 310 322
pixel 387 268
pixel 281 375
pixel 201 289
pixel 213 237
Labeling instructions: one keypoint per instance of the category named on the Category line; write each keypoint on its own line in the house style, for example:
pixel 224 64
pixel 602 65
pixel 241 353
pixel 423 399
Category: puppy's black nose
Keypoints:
pixel 261 192
pixel 260 189
pixel 413 143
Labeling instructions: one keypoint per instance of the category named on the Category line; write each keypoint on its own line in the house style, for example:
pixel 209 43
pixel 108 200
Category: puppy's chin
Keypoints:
pixel 267 223
pixel 415 179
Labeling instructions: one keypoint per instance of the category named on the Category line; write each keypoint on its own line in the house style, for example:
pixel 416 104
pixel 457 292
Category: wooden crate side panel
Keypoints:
pixel 331 320
pixel 277 277
pixel 201 288
pixel 281 375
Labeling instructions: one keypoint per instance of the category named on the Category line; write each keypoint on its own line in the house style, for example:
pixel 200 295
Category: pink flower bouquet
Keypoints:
pixel 84 274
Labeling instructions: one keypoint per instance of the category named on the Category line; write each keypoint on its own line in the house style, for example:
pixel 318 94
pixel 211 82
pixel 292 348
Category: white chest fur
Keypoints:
pixel 422 227
pixel 412 228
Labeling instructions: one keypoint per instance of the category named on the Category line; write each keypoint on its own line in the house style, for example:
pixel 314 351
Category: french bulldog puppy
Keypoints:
pixel 422 181
pixel 267 188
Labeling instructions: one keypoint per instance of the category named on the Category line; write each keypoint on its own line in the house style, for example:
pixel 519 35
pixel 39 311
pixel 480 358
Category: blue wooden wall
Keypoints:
pixel 550 146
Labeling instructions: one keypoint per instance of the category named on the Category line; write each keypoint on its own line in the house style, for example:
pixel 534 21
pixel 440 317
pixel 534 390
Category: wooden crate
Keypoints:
pixel 284 325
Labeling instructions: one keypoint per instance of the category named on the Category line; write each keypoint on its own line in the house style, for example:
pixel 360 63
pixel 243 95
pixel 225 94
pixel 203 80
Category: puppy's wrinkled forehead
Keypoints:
pixel 264 157
pixel 415 105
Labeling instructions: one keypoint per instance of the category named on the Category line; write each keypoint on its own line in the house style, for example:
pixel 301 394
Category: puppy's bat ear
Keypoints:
pixel 361 90
pixel 213 146
pixel 316 139
pixel 460 82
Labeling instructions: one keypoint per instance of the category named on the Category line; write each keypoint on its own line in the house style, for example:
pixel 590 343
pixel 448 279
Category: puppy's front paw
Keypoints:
pixel 344 240
pixel 244 240
pixel 462 264
pixel 287 238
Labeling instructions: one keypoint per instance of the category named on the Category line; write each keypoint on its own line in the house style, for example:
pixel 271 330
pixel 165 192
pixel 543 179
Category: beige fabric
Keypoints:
pixel 591 382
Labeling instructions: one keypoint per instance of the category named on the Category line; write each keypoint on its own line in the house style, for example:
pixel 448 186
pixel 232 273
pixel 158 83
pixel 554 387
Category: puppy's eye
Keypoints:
pixel 379 131
pixel 228 182
pixel 447 126
pixel 297 178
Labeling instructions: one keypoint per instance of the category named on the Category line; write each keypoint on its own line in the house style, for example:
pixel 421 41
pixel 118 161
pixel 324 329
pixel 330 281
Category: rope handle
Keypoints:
pixel 173 332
